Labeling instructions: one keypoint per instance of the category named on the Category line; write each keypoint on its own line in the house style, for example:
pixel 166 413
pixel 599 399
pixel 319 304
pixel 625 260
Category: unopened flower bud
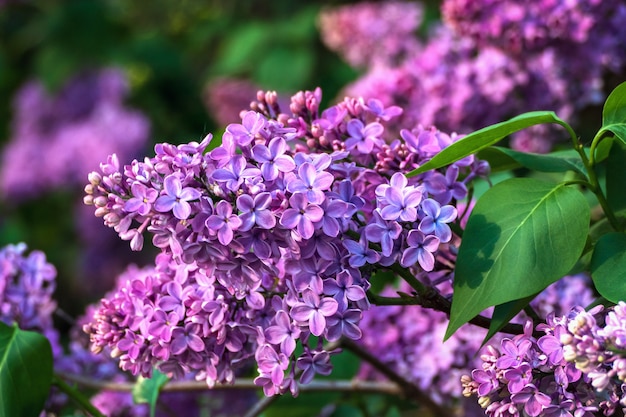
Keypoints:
pixel 94 178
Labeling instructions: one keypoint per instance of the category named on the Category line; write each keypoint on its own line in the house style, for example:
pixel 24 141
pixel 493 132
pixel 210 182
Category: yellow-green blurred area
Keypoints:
pixel 169 51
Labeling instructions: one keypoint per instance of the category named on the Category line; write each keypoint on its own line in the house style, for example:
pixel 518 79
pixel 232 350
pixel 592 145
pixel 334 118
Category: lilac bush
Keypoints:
pixel 265 240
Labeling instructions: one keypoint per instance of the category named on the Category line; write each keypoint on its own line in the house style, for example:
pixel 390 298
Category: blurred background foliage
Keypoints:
pixel 169 52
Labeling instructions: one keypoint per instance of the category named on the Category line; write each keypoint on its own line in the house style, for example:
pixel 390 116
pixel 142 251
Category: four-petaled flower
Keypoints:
pixel 224 222
pixel 313 311
pixel 436 219
pixel 142 199
pixel 302 216
pixel 421 249
pixel 176 198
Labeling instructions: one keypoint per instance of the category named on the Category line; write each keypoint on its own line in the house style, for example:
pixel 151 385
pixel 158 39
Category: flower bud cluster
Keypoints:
pixel 575 369
pixel 269 240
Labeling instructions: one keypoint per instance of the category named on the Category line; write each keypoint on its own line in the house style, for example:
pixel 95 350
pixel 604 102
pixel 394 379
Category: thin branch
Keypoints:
pixel 76 395
pixel 437 302
pixel 410 390
pixel 240 384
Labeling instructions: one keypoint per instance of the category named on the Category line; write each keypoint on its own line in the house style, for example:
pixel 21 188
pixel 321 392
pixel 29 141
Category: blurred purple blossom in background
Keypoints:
pixel 57 139
pixel 489 60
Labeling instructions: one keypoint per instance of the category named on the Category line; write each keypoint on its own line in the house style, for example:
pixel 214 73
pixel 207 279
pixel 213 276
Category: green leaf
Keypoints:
pixel 561 161
pixel 503 313
pixel 614 111
pixel 485 137
pixel 618 129
pixel 147 390
pixel 523 235
pixel 25 371
pixel 608 266
pixel 616 177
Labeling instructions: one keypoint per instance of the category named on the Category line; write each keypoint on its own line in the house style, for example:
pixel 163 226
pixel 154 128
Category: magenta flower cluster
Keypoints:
pixel 575 369
pixel 486 61
pixel 269 240
pixel 68 132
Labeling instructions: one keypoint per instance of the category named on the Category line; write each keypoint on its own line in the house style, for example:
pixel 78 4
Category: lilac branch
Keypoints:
pixel 409 390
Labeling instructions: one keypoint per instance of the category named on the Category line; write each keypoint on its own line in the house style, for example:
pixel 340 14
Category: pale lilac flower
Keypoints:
pixel 383 232
pixel 302 216
pixel 363 138
pixel 311 183
pixel 273 159
pixel 360 253
pixel 244 133
pixel 184 338
pixel 142 200
pixel 255 211
pixel 176 198
pixel 420 250
pixel 284 332
pixel 436 219
pixel 313 311
pixel 224 222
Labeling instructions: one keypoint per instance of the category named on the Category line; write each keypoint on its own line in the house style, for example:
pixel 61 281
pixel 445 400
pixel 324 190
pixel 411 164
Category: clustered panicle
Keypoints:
pixel 409 339
pixel 68 133
pixel 27 283
pixel 268 241
pixel 575 369
pixel 490 60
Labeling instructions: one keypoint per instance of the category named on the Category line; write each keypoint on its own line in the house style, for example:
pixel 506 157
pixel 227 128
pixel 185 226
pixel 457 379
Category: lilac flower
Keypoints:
pixel 302 216
pixel 313 311
pixel 344 323
pixel 385 232
pixel 363 138
pixel 314 363
pixel 284 332
pixel 132 344
pixel 176 198
pixel 518 377
pixel 487 380
pixel 272 363
pixel 255 211
pixel 398 200
pixel 184 338
pixel 162 324
pixel 224 222
pixel 436 219
pixel 142 199
pixel 235 173
pixel 534 401
pixel 251 125
pixel 513 353
pixel 360 253
pixel 273 159
pixel 311 183
pixel 421 249
pixel 343 289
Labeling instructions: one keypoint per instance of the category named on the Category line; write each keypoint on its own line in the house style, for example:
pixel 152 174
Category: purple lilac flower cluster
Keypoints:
pixel 69 133
pixel 372 33
pixel 409 339
pixel 465 77
pixel 26 286
pixel 269 240
pixel 81 361
pixel 575 369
